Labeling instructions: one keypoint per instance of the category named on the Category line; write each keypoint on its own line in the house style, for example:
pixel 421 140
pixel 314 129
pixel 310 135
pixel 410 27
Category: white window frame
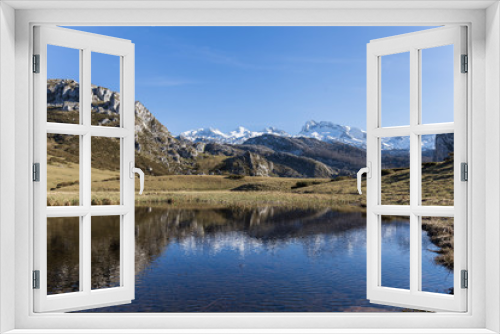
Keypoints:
pixel 484 266
pixel 85 44
pixel 413 44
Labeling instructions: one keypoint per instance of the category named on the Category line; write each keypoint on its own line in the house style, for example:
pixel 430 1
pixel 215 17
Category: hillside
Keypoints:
pixel 321 150
pixel 268 153
pixel 341 158
pixel 157 151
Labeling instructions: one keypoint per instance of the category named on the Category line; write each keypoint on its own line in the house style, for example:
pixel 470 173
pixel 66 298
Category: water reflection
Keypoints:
pixel 63 238
pixel 259 260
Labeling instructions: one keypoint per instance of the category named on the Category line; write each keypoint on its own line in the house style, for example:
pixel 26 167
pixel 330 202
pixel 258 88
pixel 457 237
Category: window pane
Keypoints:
pixel 395 252
pixel 437 254
pixel 63 170
pixel 105 89
pixel 63 255
pixel 63 89
pixel 105 171
pixel 105 252
pixel 395 89
pixel 437 169
pixel 437 84
pixel 395 170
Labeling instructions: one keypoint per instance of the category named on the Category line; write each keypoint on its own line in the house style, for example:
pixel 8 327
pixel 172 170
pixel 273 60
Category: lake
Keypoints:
pixel 265 259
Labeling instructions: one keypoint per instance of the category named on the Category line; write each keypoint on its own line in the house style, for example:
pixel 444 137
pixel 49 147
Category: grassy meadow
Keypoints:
pixel 341 194
pixel 232 190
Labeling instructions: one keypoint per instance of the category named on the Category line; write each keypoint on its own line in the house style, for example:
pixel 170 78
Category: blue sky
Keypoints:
pixel 223 77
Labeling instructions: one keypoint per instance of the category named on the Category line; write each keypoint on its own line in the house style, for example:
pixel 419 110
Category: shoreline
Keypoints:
pixel 245 192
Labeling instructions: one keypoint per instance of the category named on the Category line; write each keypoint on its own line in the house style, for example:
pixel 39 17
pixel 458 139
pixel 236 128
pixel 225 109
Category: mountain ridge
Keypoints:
pixel 322 149
pixel 324 131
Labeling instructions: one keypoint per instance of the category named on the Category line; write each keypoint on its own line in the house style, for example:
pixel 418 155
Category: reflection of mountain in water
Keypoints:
pixel 215 230
pixel 265 260
pixel 234 229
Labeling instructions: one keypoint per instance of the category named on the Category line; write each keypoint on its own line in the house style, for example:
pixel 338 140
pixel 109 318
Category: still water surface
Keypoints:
pixel 253 260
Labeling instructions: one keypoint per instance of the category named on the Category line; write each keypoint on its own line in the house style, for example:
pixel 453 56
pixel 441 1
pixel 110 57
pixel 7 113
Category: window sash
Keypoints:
pixel 414 298
pixel 85 298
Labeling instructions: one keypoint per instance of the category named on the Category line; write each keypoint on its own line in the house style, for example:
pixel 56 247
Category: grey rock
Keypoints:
pixel 445 145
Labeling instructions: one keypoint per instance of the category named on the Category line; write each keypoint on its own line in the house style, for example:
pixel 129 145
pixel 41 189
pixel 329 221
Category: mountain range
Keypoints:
pixel 320 149
pixel 323 131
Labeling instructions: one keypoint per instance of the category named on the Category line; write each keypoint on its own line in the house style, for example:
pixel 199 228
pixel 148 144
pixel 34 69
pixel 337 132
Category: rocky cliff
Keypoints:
pixel 157 151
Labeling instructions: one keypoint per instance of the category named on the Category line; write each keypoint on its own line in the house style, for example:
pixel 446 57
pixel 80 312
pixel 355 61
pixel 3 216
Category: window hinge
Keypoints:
pixel 465 64
pixel 464 171
pixel 465 279
pixel 36 63
pixel 36 172
pixel 36 279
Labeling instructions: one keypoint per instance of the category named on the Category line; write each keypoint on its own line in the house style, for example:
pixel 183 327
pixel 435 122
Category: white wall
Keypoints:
pixel 492 165
pixel 7 161
pixel 481 147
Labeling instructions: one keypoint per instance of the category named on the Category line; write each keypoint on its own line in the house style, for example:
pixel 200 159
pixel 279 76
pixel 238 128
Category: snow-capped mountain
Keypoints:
pixel 328 131
pixel 324 131
pixel 403 143
pixel 238 136
pixel 208 135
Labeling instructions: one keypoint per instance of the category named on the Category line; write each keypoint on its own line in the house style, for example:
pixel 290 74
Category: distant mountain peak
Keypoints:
pixel 237 136
pixel 331 132
pixel 321 130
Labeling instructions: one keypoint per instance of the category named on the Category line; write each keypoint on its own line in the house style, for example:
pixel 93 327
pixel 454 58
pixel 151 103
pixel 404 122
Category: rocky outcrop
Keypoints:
pixel 158 152
pixel 271 163
pixel 61 92
pixel 445 145
pixel 336 157
pixel 248 163
pixel 221 149
pixel 289 165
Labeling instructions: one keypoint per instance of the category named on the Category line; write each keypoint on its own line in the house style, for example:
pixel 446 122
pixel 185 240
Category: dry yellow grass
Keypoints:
pixel 437 185
pixel 441 232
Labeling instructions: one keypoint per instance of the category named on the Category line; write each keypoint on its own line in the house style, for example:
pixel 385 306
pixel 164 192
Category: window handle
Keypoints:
pixel 368 171
pixel 134 170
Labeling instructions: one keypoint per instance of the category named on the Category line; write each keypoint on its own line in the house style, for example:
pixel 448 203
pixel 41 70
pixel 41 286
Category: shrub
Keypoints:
pixel 302 184
pixel 340 178
pixel 235 177
pixel 387 171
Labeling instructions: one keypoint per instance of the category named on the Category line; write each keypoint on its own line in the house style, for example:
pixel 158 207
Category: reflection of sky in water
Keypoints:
pixel 265 260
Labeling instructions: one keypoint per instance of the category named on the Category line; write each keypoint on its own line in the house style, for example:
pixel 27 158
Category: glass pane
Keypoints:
pixel 63 255
pixel 63 170
pixel 105 252
pixel 395 252
pixel 437 84
pixel 395 89
pixel 105 89
pixel 105 171
pixel 437 254
pixel 437 169
pixel 395 171
pixel 63 89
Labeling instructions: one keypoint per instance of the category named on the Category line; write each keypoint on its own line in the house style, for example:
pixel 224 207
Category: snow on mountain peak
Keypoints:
pixel 331 132
pixel 237 136
pixel 323 130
